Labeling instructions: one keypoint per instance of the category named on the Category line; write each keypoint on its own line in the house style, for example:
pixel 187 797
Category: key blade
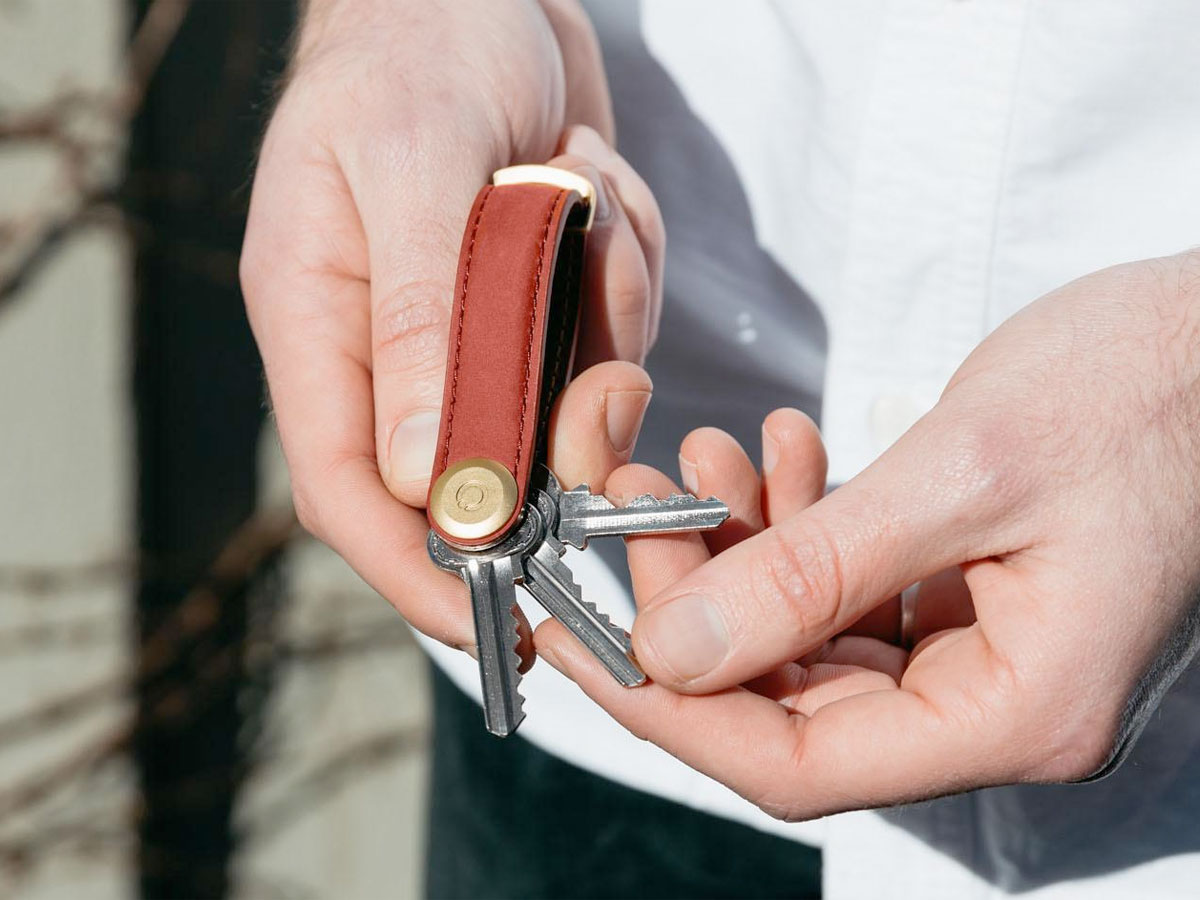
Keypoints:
pixel 583 515
pixel 551 583
pixel 493 596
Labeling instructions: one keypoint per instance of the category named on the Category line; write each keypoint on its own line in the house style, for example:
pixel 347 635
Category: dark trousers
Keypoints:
pixel 509 820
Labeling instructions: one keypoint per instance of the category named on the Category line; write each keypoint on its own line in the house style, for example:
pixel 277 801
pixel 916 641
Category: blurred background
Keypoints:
pixel 196 700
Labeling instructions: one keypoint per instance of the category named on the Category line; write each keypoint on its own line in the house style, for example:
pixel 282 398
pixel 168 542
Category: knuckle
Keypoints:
pixel 779 797
pixel 800 573
pixel 1080 747
pixel 410 330
pixel 627 297
pixel 307 513
pixel 988 463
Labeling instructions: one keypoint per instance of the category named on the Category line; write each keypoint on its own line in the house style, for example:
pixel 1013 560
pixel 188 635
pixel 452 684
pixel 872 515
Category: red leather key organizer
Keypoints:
pixel 512 338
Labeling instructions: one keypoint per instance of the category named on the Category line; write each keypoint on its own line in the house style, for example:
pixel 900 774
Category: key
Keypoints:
pixel 583 515
pixel 491 578
pixel 553 585
pixel 493 596
pixel 550 581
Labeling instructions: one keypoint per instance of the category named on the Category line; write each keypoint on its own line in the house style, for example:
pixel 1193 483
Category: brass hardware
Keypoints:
pixel 473 498
pixel 552 175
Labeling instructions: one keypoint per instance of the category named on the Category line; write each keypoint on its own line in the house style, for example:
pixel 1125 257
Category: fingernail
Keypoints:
pixel 690 475
pixel 411 451
pixel 624 411
pixel 687 634
pixel 770 453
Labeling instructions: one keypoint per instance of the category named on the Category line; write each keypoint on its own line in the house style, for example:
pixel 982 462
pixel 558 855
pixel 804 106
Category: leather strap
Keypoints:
pixel 512 332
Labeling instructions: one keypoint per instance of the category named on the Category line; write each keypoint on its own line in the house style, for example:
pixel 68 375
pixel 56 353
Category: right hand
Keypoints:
pixel 395 114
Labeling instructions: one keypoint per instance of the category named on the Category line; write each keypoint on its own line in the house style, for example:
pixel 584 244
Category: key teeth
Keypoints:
pixel 643 500
pixel 567 576
pixel 671 500
pixel 605 622
pixel 514 641
pixel 514 666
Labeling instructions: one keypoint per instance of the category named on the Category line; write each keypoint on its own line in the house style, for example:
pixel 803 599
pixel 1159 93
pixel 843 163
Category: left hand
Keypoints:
pixel 1059 473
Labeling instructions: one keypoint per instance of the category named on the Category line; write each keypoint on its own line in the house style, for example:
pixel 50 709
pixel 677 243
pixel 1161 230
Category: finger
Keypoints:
pixel 940 496
pixel 805 689
pixel 655 561
pixel 309 308
pixel 864 652
pixel 595 423
pixel 587 92
pixel 882 622
pixel 713 464
pixel 839 668
pixel 413 207
pixel 638 203
pixel 868 749
pixel 794 465
pixel 616 282
pixel 943 601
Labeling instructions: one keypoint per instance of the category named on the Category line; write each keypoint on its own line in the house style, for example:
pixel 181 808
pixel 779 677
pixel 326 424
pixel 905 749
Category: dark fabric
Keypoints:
pixel 509 820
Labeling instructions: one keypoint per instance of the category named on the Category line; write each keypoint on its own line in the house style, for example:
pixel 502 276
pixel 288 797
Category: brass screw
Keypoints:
pixel 473 498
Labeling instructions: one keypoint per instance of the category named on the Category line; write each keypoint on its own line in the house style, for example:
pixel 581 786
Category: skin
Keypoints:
pixel 1050 498
pixel 367 173
pixel 1047 503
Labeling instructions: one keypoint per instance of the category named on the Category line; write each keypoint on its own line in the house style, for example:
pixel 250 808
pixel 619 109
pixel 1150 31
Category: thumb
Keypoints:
pixel 942 495
pixel 413 213
pixel 415 268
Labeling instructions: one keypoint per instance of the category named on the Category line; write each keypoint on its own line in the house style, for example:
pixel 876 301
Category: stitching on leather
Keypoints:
pixel 458 328
pixel 537 286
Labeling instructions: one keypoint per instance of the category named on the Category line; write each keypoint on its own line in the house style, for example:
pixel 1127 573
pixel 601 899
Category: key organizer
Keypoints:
pixel 497 515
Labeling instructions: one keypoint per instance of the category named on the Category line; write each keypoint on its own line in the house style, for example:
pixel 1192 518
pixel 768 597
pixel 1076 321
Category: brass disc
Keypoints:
pixel 473 498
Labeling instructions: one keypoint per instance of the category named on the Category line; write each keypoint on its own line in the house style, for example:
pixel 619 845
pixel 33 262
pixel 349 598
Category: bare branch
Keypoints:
pixel 326 778
pixel 85 129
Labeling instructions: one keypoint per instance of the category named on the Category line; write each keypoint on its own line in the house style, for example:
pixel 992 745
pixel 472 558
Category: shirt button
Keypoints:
pixel 891 416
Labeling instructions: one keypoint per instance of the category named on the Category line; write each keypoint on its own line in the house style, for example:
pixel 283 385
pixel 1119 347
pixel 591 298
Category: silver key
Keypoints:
pixel 583 515
pixel 491 576
pixel 532 557
pixel 552 583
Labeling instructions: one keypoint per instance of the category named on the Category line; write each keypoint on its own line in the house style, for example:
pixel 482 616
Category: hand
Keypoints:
pixel 395 114
pixel 1060 473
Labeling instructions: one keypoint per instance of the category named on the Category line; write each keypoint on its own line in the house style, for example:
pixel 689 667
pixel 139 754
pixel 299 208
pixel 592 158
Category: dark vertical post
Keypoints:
pixel 198 396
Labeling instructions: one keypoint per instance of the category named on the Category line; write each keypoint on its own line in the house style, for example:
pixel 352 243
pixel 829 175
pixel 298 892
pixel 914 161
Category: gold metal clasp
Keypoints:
pixel 571 181
pixel 473 498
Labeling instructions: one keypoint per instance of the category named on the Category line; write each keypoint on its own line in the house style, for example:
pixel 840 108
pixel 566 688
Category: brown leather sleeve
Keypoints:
pixel 512 330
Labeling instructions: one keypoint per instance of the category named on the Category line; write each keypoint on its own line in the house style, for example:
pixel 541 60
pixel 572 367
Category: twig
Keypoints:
pixel 255 545
pixel 85 128
pixel 43 580
pixel 307 791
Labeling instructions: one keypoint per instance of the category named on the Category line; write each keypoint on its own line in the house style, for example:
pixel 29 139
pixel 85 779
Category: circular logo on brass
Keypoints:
pixel 470 496
pixel 473 498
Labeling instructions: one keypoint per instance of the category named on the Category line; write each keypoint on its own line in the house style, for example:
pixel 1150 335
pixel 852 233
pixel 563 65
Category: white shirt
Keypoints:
pixel 856 193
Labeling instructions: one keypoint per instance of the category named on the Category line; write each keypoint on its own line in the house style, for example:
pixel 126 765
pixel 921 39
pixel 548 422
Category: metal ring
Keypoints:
pixel 908 615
